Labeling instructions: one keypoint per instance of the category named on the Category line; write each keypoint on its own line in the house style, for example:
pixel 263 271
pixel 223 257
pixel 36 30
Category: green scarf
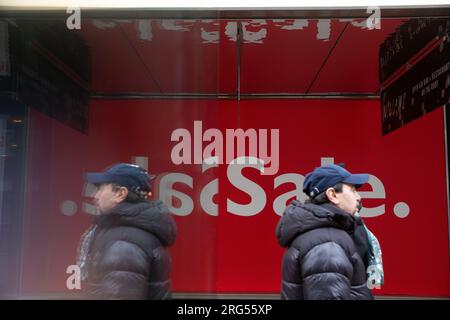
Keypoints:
pixel 375 272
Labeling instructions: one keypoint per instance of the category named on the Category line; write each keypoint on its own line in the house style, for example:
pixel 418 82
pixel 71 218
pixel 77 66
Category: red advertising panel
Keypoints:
pixel 407 170
pixel 227 212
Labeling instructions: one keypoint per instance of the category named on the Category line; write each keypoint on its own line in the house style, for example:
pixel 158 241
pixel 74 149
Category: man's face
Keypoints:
pixel 348 199
pixel 105 198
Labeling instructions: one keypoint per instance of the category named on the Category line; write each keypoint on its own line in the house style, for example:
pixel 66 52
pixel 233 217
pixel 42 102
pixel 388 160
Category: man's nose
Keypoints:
pixel 96 196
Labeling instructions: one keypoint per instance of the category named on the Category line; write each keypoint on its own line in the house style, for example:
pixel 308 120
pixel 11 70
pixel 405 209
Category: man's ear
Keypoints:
pixel 331 194
pixel 122 194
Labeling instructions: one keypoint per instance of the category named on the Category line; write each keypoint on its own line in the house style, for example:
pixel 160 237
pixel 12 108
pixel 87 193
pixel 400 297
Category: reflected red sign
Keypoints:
pixel 227 213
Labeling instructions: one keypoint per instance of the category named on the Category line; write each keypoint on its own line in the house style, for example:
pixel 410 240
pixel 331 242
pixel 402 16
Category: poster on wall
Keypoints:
pixel 53 76
pixel 4 50
pixel 414 71
pixel 2 161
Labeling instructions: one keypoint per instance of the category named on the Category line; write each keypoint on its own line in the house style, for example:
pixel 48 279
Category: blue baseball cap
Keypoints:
pixel 328 176
pixel 131 176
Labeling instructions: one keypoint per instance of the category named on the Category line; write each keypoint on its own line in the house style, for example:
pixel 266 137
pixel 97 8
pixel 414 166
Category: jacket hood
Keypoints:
pixel 151 216
pixel 299 218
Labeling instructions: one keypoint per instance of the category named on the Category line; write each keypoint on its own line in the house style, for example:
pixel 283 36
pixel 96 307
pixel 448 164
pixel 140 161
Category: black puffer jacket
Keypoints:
pixel 128 258
pixel 321 261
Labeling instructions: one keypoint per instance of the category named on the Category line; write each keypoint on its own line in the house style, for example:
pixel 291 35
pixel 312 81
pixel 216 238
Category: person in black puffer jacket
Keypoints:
pixel 124 255
pixel 324 256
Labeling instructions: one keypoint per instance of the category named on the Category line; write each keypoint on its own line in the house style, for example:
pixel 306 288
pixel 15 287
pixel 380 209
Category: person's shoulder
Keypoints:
pixel 344 240
pixel 323 235
pixel 126 232
pixel 156 206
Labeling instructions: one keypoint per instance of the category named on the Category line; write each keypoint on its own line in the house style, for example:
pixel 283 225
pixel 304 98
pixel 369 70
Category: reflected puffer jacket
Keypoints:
pixel 321 261
pixel 128 256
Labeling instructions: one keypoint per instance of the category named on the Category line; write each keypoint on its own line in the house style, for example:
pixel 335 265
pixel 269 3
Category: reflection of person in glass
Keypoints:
pixel 123 255
pixel 331 254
